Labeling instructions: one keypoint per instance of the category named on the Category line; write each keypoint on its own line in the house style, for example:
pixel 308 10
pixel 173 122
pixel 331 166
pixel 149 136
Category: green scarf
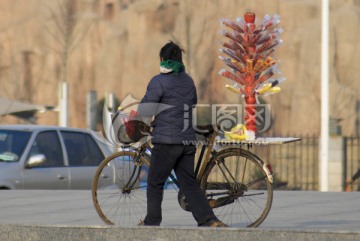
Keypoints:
pixel 168 66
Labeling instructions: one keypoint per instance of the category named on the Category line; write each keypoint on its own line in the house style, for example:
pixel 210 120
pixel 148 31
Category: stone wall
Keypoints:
pixel 116 45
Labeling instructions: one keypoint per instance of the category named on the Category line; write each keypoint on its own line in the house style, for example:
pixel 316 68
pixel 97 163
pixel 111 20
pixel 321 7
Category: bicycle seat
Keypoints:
pixel 205 130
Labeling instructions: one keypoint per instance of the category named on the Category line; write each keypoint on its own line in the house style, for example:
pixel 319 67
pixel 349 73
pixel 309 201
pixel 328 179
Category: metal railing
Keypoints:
pixel 295 165
pixel 351 162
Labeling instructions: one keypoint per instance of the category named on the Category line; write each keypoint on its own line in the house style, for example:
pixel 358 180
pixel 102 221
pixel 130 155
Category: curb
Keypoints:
pixel 14 232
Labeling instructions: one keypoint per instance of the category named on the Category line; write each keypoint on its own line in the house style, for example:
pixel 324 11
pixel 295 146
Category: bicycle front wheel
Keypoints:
pixel 118 193
pixel 238 188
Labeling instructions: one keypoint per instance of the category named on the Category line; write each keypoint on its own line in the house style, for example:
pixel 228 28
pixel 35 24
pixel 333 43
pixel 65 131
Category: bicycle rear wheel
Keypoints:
pixel 119 195
pixel 238 188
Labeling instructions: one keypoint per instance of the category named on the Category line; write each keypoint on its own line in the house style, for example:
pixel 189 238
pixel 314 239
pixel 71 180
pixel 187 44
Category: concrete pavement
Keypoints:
pixel 70 215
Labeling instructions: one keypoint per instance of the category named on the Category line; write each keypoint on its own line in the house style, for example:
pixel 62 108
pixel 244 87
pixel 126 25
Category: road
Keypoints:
pixel 292 211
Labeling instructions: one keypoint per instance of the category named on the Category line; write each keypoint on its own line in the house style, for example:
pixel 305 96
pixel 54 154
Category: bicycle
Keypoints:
pixel 237 183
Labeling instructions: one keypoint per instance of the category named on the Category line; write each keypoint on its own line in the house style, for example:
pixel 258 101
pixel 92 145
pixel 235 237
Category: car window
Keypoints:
pixel 48 144
pixel 96 153
pixel 81 148
pixel 12 144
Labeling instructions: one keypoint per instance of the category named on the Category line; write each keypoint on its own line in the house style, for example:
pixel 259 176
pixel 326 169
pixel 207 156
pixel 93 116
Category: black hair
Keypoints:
pixel 171 51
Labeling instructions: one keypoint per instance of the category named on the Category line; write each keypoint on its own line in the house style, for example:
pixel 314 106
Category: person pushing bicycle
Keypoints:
pixel 172 131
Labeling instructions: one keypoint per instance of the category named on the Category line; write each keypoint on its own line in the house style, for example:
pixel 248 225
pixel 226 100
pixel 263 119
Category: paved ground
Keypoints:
pixel 294 211
pixel 290 210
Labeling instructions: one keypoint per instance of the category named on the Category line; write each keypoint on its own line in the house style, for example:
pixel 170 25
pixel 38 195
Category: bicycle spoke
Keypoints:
pixel 227 170
pixel 139 209
pixel 244 170
pixel 255 181
pixel 238 185
pixel 118 195
pixel 254 194
pixel 244 211
pixel 255 203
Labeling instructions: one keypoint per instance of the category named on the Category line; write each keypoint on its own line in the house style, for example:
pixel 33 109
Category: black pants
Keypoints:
pixel 164 159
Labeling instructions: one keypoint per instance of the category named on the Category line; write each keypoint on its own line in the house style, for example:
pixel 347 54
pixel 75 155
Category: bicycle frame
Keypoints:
pixel 199 171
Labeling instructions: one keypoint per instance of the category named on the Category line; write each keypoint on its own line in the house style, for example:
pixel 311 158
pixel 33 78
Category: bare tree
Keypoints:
pixel 67 29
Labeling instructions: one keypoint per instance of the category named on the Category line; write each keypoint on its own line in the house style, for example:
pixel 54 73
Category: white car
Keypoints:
pixel 48 157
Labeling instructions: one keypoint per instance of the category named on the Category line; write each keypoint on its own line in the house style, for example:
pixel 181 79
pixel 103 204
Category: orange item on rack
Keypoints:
pixel 249 50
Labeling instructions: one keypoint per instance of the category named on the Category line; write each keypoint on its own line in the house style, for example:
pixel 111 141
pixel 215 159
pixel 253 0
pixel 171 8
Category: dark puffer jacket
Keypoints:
pixel 175 95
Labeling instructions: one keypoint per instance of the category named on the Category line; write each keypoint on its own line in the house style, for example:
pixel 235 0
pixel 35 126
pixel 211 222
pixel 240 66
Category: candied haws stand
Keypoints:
pixel 248 53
